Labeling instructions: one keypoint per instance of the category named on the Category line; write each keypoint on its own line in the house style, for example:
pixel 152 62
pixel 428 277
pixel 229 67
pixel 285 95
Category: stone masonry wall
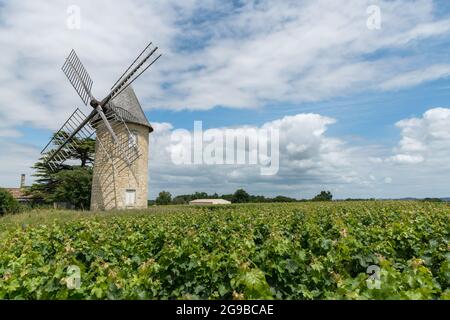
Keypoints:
pixel 108 185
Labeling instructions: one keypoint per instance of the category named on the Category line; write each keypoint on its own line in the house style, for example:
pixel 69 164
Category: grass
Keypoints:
pixel 36 217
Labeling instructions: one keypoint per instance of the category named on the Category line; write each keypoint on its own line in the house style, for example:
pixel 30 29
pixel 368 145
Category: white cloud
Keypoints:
pixel 304 51
pixel 424 139
pixel 406 158
pixel 35 41
pixel 417 77
pixel 311 160
pixel 11 133
pixel 15 159
pixel 262 52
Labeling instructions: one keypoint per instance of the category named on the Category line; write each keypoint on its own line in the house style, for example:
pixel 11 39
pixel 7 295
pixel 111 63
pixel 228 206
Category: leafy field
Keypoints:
pixel 279 251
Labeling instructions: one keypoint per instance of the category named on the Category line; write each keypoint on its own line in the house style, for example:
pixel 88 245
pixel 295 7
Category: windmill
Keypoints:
pixel 121 130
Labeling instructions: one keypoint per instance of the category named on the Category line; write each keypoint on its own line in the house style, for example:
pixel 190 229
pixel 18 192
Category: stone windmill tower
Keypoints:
pixel 113 188
pixel 120 171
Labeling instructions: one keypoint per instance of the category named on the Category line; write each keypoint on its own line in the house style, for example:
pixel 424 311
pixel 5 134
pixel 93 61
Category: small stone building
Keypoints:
pixel 115 185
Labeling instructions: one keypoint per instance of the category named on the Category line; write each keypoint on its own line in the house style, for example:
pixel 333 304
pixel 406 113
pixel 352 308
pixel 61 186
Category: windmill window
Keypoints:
pixel 130 197
pixel 132 140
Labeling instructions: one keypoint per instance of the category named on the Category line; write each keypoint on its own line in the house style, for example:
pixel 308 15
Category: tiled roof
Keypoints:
pixel 127 106
pixel 18 193
pixel 128 101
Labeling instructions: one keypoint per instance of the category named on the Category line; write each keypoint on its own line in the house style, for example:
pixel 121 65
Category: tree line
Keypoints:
pixel 239 196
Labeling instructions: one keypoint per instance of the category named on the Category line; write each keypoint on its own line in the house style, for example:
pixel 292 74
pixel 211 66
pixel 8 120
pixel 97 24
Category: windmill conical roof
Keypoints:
pixel 128 101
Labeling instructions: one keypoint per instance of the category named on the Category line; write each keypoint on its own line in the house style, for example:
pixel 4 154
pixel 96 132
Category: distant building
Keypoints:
pixel 209 201
pixel 19 193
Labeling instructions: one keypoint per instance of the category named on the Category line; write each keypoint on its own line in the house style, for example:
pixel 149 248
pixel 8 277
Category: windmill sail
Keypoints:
pixel 144 61
pixel 123 151
pixel 66 140
pixel 78 77
pixel 132 65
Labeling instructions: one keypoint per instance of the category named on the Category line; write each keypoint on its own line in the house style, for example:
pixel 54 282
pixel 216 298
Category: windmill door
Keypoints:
pixel 130 197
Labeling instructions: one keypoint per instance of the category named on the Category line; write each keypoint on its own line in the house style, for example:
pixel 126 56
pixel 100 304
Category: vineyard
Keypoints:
pixel 335 250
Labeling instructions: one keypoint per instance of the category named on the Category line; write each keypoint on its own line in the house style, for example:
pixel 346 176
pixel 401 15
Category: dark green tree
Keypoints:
pixel 199 195
pixel 283 199
pixel 7 203
pixel 84 151
pixel 258 199
pixel 164 198
pixel 179 200
pixel 323 196
pixel 432 200
pixel 74 187
pixel 47 180
pixel 44 184
pixel 241 196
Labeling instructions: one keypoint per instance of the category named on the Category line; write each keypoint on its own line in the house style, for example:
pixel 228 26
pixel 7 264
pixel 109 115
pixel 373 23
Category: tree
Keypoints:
pixel 241 196
pixel 259 199
pixel 433 200
pixel 283 199
pixel 186 198
pixel 179 200
pixel 84 151
pixel 164 198
pixel 44 184
pixel 47 180
pixel 74 186
pixel 323 196
pixel 7 203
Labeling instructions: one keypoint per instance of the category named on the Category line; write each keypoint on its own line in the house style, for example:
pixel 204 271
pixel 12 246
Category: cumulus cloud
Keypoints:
pixel 308 160
pixel 311 159
pixel 424 139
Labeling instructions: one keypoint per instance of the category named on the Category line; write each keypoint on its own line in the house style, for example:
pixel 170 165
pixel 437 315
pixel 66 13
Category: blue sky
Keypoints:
pixel 378 97
pixel 369 115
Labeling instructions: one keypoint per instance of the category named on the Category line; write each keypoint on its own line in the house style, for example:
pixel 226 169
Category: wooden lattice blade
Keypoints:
pixel 78 77
pixel 145 59
pixel 67 139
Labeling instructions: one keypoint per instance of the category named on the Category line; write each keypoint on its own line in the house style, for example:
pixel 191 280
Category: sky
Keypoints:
pixel 358 90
